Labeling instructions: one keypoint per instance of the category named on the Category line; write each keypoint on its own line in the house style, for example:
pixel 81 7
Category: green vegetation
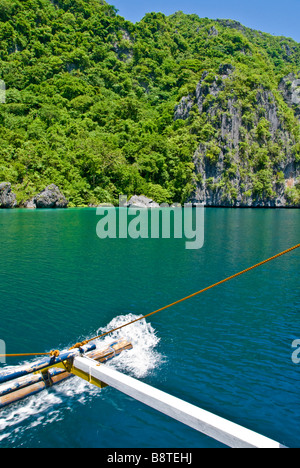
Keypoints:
pixel 90 100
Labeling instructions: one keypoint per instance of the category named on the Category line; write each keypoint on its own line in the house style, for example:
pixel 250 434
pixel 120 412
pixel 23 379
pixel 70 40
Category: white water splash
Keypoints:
pixel 45 407
pixel 142 358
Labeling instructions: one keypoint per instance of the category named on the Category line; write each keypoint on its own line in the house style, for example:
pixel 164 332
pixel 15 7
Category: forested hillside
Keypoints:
pixel 176 108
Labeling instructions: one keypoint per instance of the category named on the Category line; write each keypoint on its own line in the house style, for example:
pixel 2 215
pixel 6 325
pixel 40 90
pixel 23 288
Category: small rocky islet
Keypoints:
pixel 50 197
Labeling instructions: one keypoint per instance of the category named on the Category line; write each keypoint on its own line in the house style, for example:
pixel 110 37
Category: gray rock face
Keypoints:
pixel 7 197
pixel 225 174
pixel 213 31
pixel 182 111
pixel 51 197
pixel 140 201
pixel 30 204
pixel 290 89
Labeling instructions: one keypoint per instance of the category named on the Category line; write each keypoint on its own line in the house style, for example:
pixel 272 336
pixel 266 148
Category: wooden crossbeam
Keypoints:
pixel 226 432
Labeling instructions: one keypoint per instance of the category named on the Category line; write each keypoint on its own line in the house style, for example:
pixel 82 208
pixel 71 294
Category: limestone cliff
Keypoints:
pixel 248 139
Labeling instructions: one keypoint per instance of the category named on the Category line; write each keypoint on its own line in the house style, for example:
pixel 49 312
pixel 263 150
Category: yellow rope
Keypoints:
pixel 194 294
pixel 51 353
pixel 78 345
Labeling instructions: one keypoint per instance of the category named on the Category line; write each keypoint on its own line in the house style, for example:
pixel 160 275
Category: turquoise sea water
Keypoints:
pixel 227 351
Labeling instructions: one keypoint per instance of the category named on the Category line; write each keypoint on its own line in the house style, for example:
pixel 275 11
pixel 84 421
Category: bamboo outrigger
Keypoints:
pixel 81 360
pixel 19 383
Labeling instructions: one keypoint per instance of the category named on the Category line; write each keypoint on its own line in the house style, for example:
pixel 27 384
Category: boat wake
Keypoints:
pixel 143 357
pixel 45 407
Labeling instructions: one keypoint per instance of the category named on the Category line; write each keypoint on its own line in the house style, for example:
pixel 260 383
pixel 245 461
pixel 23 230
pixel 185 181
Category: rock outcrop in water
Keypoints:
pixel 140 201
pixel 51 197
pixel 7 197
pixel 248 156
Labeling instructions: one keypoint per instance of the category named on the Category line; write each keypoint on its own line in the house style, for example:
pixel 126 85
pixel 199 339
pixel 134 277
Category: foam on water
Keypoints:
pixel 143 357
pixel 44 408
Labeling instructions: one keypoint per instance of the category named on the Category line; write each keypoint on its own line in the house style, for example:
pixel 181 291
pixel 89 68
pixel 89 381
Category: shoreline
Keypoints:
pixel 142 208
pixel 52 198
